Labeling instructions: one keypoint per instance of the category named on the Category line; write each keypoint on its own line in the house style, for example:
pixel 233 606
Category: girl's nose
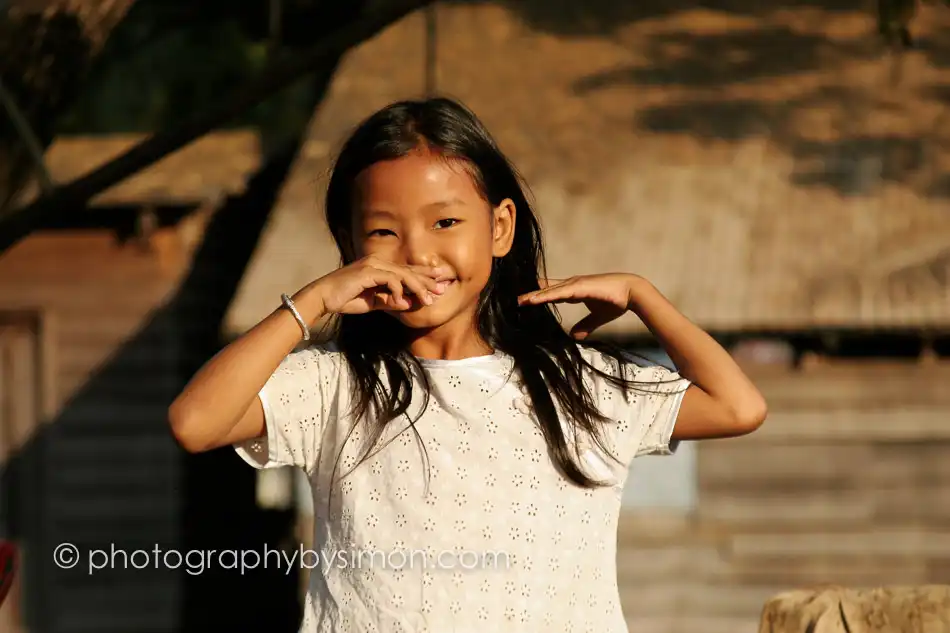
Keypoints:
pixel 425 259
pixel 418 254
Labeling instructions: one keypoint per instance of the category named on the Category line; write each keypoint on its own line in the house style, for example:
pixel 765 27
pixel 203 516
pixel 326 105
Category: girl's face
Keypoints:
pixel 424 210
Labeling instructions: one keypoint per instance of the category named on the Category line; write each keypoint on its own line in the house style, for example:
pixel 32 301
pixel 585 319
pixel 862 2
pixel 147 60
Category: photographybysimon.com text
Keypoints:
pixel 197 561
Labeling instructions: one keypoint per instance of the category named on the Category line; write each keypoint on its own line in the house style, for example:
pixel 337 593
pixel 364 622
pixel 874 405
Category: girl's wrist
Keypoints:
pixel 638 288
pixel 310 304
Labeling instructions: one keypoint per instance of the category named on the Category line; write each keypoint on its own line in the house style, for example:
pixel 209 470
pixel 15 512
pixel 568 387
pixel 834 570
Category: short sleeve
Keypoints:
pixel 296 400
pixel 645 414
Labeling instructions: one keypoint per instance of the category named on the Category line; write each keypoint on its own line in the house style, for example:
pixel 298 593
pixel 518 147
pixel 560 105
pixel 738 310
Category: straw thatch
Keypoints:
pixel 756 166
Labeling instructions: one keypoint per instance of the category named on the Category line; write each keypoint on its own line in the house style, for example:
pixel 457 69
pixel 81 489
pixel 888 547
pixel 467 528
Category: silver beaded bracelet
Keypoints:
pixel 289 304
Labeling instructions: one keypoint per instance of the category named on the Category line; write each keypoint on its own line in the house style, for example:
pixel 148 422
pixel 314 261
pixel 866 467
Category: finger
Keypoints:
pixel 389 281
pixel 583 328
pixel 420 280
pixel 397 299
pixel 384 300
pixel 422 287
pixel 429 283
pixel 547 283
pixel 544 284
pixel 430 272
pixel 567 291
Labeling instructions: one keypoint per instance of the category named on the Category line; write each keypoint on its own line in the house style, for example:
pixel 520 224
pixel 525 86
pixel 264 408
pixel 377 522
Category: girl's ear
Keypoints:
pixel 503 227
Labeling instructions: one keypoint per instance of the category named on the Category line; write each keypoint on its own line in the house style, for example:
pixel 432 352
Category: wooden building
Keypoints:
pixel 102 319
pixel 756 164
pixel 751 161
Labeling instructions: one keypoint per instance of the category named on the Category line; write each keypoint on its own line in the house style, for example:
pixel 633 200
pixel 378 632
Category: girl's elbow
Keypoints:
pixel 752 415
pixel 183 428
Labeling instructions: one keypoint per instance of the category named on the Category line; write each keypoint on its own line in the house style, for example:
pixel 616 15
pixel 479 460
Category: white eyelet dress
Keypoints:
pixel 464 525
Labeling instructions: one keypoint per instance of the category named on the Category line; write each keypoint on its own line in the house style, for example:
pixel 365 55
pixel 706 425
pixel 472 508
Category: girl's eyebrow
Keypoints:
pixel 432 206
pixel 441 204
pixel 373 213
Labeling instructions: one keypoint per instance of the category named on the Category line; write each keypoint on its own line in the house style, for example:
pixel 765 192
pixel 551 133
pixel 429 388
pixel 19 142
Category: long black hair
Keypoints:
pixel 547 358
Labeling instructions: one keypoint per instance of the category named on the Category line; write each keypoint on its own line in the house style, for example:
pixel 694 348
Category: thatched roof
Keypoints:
pixel 754 165
pixel 216 165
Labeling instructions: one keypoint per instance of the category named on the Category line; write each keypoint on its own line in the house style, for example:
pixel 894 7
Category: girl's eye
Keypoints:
pixel 446 223
pixel 380 232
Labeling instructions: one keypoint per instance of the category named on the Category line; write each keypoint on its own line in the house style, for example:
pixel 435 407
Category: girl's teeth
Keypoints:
pixel 442 285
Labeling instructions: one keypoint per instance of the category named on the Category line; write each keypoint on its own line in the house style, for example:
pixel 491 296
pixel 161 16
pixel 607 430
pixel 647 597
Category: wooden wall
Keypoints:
pixel 126 324
pixel 847 483
pixel 100 464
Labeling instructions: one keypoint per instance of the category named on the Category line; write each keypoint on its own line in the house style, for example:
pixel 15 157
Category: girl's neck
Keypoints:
pixel 444 344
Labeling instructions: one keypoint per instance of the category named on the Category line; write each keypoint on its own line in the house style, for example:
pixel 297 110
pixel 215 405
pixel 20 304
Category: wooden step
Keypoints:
pixel 864 385
pixel 725 466
pixel 805 508
pixel 895 423
pixel 690 624
pixel 689 597
pixel 655 528
pixel 872 543
pixel 809 571
pixel 636 566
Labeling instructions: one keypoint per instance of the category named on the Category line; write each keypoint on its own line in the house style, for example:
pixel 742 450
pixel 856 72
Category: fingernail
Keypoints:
pixel 427 298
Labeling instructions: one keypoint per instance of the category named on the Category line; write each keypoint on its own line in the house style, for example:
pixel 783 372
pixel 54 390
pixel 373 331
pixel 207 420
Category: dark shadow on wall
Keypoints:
pixel 706 67
pixel 219 507
pixel 106 474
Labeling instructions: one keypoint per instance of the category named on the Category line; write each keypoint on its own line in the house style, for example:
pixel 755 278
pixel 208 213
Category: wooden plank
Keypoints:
pixel 106 511
pixel 688 597
pixel 916 463
pixel 900 423
pixel 88 269
pixel 734 464
pixel 674 623
pixel 840 507
pixel 865 385
pixel 105 329
pixel 809 571
pixel 938 571
pixel 870 543
pixel 638 565
pixel 656 528
pixel 158 391
pixel 140 296
pixel 927 504
pixel 127 356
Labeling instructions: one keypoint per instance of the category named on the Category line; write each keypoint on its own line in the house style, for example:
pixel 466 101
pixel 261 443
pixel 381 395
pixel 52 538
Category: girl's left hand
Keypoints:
pixel 607 296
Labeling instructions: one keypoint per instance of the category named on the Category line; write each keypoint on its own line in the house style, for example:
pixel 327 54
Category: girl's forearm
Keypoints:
pixel 697 356
pixel 220 393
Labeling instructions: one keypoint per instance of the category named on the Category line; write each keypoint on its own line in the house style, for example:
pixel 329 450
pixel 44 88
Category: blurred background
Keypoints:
pixel 780 170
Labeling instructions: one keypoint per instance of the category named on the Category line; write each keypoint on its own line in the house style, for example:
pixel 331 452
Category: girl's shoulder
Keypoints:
pixel 608 358
pixel 324 359
pixel 625 364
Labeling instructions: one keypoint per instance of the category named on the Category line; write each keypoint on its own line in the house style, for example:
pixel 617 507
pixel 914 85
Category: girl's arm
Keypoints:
pixel 220 405
pixel 722 401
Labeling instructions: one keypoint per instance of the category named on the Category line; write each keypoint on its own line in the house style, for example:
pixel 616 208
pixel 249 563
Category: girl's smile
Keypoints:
pixel 426 210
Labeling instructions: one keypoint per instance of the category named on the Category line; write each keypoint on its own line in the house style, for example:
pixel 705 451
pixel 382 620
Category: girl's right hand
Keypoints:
pixel 374 284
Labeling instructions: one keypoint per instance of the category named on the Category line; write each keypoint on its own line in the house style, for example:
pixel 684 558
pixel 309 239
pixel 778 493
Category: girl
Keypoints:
pixel 452 418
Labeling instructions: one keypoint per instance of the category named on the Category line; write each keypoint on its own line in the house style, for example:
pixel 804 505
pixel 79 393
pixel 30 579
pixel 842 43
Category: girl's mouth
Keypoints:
pixel 444 285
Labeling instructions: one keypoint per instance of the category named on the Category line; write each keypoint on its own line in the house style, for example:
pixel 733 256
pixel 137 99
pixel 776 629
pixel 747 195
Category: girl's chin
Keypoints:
pixel 433 315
